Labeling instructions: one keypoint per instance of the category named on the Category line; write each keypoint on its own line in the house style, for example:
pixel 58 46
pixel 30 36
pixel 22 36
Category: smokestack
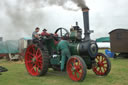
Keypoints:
pixel 86 23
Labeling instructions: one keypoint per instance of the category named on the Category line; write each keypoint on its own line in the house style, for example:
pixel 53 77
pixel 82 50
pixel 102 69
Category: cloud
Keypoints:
pixel 20 17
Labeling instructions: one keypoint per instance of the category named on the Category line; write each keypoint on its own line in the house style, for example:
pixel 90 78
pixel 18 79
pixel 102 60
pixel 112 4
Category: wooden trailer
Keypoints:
pixel 119 41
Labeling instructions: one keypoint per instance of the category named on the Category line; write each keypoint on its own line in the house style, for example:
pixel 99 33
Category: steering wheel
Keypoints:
pixel 62 32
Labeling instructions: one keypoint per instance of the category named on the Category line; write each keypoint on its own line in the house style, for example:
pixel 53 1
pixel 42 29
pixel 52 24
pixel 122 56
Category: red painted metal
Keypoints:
pixel 75 69
pixel 2 55
pixel 102 64
pixel 33 60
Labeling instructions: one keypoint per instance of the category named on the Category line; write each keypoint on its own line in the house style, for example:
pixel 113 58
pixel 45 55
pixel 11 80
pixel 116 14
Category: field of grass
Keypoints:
pixel 17 75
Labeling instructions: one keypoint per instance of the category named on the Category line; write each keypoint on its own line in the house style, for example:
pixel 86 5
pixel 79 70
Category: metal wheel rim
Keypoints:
pixel 33 60
pixel 101 65
pixel 75 69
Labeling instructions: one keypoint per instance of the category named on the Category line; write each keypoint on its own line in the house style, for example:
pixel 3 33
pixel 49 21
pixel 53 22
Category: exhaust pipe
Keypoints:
pixel 86 24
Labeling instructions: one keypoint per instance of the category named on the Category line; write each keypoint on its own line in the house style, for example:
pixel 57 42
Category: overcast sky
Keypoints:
pixel 18 18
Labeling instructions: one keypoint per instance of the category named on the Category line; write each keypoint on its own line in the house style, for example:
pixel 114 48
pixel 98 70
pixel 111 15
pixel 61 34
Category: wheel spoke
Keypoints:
pixel 100 70
pixel 29 61
pixel 104 69
pixel 40 61
pixel 103 60
pixel 105 63
pixel 32 68
pixel 37 51
pixel 33 48
pixel 39 56
pixel 37 70
pixel 29 57
pixel 104 66
pixel 75 75
pixel 80 73
pixel 30 53
pixel 98 58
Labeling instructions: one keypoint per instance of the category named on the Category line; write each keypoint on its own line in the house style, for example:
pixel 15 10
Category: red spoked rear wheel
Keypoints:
pixel 76 68
pixel 103 65
pixel 34 61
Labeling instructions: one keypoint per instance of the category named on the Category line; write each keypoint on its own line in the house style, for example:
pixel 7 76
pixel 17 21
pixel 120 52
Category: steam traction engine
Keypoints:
pixel 40 57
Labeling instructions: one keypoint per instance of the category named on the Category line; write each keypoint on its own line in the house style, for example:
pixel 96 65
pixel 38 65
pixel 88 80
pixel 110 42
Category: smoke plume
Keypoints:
pixel 18 18
pixel 62 3
pixel 23 16
pixel 79 3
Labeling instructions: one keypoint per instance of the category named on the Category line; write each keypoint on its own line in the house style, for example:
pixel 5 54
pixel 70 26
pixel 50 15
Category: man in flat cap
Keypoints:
pixel 44 33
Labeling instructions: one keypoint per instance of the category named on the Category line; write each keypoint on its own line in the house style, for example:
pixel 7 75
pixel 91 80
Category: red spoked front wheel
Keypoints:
pixel 103 65
pixel 76 68
pixel 35 61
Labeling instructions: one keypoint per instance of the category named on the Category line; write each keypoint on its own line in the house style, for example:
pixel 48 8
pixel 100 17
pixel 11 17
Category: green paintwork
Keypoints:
pixel 73 35
pixel 55 60
pixel 73 48
pixel 50 45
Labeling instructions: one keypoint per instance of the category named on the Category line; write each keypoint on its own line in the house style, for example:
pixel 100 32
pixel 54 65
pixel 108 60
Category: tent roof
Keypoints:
pixel 27 38
pixel 103 39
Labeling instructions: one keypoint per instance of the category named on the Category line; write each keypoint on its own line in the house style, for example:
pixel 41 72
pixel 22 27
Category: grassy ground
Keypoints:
pixel 17 75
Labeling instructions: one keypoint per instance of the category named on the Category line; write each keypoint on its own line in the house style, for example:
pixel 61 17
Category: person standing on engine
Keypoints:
pixel 44 33
pixel 35 35
pixel 63 47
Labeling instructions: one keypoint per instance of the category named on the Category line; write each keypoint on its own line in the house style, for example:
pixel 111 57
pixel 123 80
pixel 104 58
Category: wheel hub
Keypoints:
pixel 73 69
pixel 34 59
pixel 100 64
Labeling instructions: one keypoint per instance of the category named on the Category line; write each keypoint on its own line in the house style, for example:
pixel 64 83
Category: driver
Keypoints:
pixel 44 33
pixel 35 35
pixel 63 46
